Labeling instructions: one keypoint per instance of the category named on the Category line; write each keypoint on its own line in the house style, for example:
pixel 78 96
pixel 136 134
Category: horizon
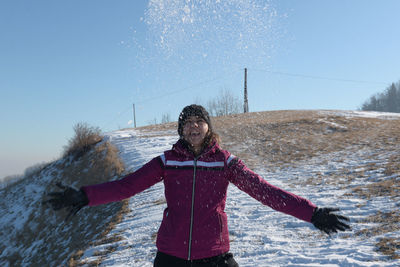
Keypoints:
pixel 64 63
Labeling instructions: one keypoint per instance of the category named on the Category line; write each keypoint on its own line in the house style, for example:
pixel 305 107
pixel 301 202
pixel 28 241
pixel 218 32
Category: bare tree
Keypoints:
pixel 197 100
pixel 225 103
pixel 165 118
pixel 85 138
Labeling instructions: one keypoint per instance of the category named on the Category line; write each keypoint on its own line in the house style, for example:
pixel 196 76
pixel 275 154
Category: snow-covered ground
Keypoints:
pixel 260 236
pixel 363 114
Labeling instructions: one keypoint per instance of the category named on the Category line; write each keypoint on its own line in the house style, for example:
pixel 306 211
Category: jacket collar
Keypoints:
pixel 181 147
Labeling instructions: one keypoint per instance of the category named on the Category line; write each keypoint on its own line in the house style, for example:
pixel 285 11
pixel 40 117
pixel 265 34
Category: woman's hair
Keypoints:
pixel 208 140
pixel 211 137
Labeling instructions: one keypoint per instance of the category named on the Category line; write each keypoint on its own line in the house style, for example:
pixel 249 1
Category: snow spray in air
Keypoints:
pixel 188 42
pixel 213 32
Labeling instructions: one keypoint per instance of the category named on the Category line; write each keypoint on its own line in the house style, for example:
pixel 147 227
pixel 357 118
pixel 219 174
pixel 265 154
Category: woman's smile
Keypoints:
pixel 195 130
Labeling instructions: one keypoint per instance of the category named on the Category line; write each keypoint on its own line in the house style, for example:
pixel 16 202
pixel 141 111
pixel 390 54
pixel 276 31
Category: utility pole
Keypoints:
pixel 246 102
pixel 134 116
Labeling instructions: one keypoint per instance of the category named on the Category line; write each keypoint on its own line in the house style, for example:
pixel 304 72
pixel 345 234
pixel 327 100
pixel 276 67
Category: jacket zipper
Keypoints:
pixel 192 209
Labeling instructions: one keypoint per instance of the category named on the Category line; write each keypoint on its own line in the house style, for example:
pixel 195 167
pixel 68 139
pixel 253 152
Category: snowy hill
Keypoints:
pixel 32 234
pixel 343 159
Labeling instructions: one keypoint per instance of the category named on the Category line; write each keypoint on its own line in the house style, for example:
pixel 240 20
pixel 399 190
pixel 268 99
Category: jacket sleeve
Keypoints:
pixel 272 196
pixel 134 183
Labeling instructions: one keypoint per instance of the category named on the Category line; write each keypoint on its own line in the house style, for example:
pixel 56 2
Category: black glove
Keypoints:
pixel 329 222
pixel 71 199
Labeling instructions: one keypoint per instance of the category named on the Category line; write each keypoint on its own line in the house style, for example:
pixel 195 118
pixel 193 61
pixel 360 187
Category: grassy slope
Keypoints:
pixel 34 235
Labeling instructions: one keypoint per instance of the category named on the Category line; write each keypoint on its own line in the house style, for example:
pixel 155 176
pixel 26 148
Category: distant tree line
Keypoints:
pixel 29 172
pixel 225 103
pixel 387 101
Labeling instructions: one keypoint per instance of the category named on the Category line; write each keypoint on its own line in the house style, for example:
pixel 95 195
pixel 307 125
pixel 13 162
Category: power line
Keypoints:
pixel 116 117
pixel 220 77
pixel 186 88
pixel 319 77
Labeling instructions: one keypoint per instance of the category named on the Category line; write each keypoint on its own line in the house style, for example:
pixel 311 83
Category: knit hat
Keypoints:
pixel 193 110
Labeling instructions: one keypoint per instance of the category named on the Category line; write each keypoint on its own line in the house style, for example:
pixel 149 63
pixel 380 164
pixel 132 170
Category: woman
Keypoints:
pixel 196 173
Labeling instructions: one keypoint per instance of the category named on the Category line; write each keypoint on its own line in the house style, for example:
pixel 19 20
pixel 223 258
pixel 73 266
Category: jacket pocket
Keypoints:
pixel 166 228
pixel 221 228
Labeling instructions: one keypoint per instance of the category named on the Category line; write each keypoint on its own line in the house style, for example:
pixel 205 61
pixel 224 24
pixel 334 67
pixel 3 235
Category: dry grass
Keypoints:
pixel 64 238
pixel 154 237
pixel 95 166
pixel 285 137
pixel 385 222
pixel 85 138
pixel 94 263
pixel 389 247
pixel 74 258
pixel 170 126
pixel 106 159
pixel 103 239
pixel 387 188
pixel 160 201
pixel 393 165
pixel 86 162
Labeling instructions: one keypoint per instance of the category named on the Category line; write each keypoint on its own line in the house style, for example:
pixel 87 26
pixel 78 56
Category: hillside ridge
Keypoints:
pixel 301 146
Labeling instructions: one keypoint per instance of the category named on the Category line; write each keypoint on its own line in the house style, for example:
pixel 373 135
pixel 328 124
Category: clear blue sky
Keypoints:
pixel 63 62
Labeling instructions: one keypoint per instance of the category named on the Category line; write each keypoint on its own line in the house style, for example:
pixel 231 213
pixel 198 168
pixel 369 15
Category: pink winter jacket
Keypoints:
pixel 194 224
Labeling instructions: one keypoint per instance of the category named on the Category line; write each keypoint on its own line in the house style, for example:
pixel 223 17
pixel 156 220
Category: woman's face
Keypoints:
pixel 194 131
